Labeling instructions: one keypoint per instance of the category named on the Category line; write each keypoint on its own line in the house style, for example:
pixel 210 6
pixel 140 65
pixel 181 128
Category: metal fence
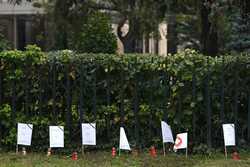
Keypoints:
pixel 70 94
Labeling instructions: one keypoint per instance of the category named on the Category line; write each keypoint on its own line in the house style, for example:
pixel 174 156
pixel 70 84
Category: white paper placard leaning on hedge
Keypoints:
pixel 24 134
pixel 167 136
pixel 89 134
pixel 123 144
pixel 181 142
pixel 56 136
pixel 229 136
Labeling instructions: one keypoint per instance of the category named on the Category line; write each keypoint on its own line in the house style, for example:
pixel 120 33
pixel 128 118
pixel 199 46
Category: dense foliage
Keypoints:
pixel 4 44
pixel 95 36
pixel 74 25
pixel 239 37
pixel 188 90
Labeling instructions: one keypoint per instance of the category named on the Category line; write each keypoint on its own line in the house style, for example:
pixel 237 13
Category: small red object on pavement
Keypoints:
pixel 74 156
pixel 113 152
pixel 153 151
pixel 235 155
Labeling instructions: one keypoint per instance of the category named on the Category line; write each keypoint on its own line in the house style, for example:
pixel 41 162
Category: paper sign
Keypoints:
pixel 167 135
pixel 181 141
pixel 123 145
pixel 56 136
pixel 229 134
pixel 24 134
pixel 88 134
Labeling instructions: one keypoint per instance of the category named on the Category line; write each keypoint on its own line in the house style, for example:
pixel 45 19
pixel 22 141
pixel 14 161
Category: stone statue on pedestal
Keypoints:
pixel 162 44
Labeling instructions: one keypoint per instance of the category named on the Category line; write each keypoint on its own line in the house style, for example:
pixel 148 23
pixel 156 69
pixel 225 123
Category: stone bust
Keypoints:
pixel 162 43
pixel 163 30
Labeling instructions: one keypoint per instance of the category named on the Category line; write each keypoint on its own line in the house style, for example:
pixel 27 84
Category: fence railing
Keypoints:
pixel 198 97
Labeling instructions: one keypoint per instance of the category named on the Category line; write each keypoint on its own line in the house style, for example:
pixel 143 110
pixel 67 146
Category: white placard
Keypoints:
pixel 181 141
pixel 229 134
pixel 88 134
pixel 123 145
pixel 167 135
pixel 56 136
pixel 24 134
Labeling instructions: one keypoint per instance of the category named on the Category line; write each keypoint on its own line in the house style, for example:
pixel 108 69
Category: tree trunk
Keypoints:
pixel 209 36
pixel 172 34
pixel 246 7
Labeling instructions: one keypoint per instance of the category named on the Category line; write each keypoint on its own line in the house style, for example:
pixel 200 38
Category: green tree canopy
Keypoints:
pixel 95 35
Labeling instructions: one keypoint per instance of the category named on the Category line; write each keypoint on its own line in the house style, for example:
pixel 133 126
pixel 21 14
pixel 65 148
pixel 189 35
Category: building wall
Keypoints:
pixel 24 8
pixel 16 22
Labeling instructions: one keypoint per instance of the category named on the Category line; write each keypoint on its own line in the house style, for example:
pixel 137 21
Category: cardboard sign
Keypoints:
pixel 229 134
pixel 24 134
pixel 56 136
pixel 123 145
pixel 88 134
pixel 181 141
pixel 167 135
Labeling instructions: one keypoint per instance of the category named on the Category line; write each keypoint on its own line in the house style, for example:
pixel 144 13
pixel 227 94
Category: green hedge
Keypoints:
pixel 65 88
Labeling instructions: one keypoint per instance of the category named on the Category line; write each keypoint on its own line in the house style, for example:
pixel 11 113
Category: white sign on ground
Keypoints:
pixel 229 134
pixel 88 134
pixel 124 144
pixel 181 141
pixel 56 136
pixel 167 135
pixel 24 134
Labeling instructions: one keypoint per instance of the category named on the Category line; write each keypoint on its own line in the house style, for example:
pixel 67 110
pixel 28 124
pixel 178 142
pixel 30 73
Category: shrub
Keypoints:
pixel 96 35
pixel 135 91
pixel 4 44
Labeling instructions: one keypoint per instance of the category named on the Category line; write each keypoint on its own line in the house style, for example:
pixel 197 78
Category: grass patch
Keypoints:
pixel 104 159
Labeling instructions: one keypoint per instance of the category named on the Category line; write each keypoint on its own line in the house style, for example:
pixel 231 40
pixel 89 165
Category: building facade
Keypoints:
pixel 18 23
